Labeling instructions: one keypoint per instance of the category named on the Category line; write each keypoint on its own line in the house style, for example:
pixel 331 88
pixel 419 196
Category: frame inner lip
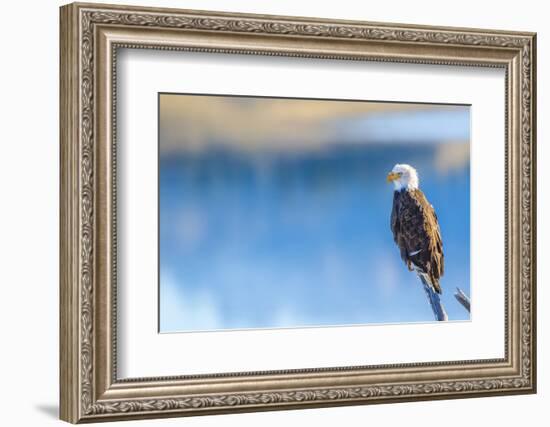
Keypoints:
pixel 182 379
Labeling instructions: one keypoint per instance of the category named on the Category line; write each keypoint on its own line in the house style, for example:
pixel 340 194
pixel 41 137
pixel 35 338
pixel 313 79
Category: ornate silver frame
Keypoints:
pixel 90 36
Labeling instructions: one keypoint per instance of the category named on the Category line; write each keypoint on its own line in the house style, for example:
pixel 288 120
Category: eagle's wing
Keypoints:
pixel 418 235
pixel 394 221
pixel 396 227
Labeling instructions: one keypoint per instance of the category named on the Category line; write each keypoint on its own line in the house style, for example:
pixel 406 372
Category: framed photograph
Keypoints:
pixel 266 212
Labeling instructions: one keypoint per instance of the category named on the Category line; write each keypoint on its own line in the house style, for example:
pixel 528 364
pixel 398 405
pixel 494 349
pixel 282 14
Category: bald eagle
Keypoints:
pixel 416 233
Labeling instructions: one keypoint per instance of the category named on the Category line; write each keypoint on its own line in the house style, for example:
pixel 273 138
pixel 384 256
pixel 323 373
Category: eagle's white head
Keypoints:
pixel 403 176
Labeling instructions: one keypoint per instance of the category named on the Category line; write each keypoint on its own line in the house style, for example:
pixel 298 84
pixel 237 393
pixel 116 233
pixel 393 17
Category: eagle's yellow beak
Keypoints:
pixel 392 176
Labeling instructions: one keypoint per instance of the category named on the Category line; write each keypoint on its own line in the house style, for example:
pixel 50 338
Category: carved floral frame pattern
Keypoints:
pixel 78 398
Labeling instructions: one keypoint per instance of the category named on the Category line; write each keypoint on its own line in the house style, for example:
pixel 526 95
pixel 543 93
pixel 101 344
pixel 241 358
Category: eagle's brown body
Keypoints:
pixel 416 232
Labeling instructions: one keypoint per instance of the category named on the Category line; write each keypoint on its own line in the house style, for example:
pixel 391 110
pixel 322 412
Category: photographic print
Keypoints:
pixel 287 212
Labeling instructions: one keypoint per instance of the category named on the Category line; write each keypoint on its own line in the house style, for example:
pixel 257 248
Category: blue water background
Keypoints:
pixel 267 238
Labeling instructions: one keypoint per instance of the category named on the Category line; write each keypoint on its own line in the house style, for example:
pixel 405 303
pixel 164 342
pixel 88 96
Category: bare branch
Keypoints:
pixel 435 302
pixel 463 299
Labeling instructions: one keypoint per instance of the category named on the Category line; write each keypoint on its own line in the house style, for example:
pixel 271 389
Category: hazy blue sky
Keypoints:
pixel 275 213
